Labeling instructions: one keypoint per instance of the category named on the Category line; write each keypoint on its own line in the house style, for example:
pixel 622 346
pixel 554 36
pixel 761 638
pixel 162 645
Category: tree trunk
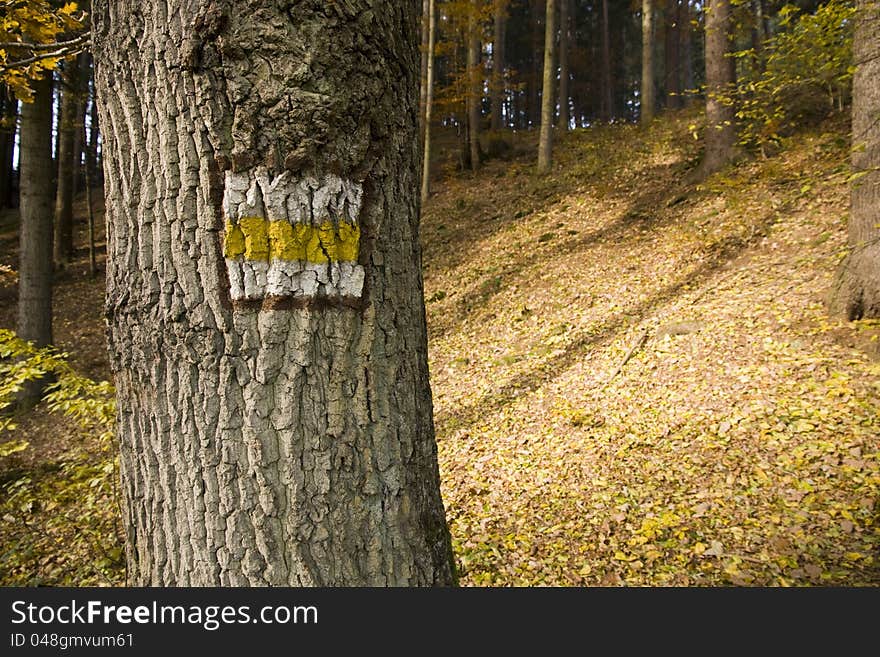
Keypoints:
pixel 35 251
pixel 475 86
pixel 500 16
pixel 686 32
pixel 672 55
pixel 564 37
pixel 647 88
pixel 423 78
pixel 265 303
pixel 66 170
pixel 857 292
pixel 545 143
pixel 8 119
pixel 720 129
pixel 429 101
pixel 606 111
pixel 94 133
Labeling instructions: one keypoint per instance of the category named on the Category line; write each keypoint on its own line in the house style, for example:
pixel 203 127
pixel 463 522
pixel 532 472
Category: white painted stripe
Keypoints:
pixel 253 280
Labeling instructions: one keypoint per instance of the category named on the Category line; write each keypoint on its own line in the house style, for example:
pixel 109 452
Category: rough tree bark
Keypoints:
pixel 35 251
pixel 66 171
pixel 475 85
pixel 647 89
pixel 720 116
pixel 856 294
pixel 564 37
pixel 497 91
pixel 264 294
pixel 545 141
pixel 429 101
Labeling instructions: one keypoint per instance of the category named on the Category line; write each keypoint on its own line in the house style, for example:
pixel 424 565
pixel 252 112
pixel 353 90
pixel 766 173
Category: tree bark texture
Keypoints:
pixel 720 117
pixel 545 142
pixel 647 88
pixel 264 292
pixel 856 294
pixel 66 170
pixel 564 39
pixel 35 259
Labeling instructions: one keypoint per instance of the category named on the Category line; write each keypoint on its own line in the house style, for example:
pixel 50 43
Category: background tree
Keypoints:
pixel 264 294
pixel 429 100
pixel 857 292
pixel 647 88
pixel 720 115
pixel 545 144
pixel 475 83
pixel 499 18
pixel 67 155
pixel 564 72
pixel 35 243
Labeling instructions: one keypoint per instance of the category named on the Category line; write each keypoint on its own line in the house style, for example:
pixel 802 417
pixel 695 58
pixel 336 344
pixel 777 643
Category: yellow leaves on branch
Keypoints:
pixel 34 38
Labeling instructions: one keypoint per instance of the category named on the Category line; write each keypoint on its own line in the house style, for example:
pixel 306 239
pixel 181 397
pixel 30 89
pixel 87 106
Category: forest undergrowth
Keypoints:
pixel 635 379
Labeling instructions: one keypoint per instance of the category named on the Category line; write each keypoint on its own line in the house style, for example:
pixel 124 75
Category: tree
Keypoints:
pixel 720 115
pixel 499 17
pixel 67 129
pixel 564 41
pixel 265 304
pixel 606 111
pixel 672 54
pixel 35 251
pixel 647 88
pixel 856 294
pixel 475 84
pixel 545 143
pixel 429 101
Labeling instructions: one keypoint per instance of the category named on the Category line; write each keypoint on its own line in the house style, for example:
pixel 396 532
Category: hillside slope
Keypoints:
pixel 738 443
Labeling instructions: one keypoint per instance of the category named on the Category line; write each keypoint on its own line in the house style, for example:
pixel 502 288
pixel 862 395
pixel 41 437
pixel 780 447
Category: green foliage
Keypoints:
pixel 802 74
pixel 69 503
pixel 29 35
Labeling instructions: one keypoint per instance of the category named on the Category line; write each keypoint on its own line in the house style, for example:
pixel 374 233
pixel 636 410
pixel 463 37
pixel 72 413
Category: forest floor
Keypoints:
pixel 635 379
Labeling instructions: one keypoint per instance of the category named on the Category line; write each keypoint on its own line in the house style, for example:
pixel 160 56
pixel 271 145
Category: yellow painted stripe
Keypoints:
pixel 255 238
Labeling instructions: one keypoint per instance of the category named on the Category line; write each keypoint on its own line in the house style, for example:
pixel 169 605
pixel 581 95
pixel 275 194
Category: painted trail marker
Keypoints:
pixel 288 237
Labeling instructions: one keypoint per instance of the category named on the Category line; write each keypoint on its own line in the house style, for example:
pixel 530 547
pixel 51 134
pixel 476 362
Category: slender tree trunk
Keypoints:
pixel 35 251
pixel 423 78
pixel 265 304
pixel 429 101
pixel 66 172
pixel 686 31
pixel 720 128
pixel 856 294
pixel 672 55
pixel 475 86
pixel 759 35
pixel 498 91
pixel 94 133
pixel 564 37
pixel 647 88
pixel 545 143
pixel 8 120
pixel 606 112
